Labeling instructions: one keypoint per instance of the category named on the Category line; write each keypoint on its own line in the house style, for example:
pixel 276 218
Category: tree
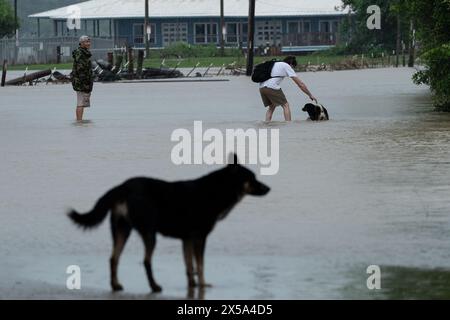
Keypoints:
pixel 433 32
pixel 7 25
pixel 359 37
pixel 394 19
pixel 399 18
pixel 433 21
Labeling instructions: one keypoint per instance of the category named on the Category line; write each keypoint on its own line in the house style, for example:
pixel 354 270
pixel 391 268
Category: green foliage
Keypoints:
pixel 185 50
pixel 433 31
pixel 361 39
pixel 340 50
pixel 7 25
pixel 433 21
pixel 437 75
pixel 334 51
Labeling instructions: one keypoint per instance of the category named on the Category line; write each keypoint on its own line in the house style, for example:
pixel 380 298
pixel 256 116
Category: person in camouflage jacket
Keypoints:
pixel 82 75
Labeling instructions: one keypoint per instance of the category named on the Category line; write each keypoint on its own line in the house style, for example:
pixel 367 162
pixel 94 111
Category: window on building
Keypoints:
pixel 306 26
pixel 293 27
pixel 174 32
pixel 296 27
pixel 325 26
pixel 232 32
pixel 138 33
pixel 335 26
pixel 206 33
pixel 244 32
pixel 200 33
pixel 211 33
pixel 236 32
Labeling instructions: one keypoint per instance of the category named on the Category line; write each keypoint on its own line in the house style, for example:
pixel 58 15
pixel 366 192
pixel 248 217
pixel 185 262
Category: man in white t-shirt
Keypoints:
pixel 271 92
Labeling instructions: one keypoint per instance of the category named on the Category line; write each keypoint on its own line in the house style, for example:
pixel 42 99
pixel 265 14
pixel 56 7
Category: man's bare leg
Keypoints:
pixel 269 114
pixel 287 112
pixel 80 111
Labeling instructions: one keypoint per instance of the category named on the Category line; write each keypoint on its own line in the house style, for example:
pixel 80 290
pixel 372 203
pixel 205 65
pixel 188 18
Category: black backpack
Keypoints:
pixel 263 71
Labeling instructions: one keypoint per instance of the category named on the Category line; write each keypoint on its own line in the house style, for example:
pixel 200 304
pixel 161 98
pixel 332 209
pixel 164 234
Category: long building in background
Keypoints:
pixel 291 25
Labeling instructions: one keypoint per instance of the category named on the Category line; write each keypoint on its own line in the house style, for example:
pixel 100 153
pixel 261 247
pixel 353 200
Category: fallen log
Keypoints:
pixel 108 76
pixel 105 65
pixel 29 78
pixel 103 71
pixel 154 73
pixel 60 77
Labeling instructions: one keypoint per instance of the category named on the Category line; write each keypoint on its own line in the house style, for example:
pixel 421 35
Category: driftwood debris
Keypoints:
pixel 29 78
pixel 105 71
pixel 57 78
pixel 154 73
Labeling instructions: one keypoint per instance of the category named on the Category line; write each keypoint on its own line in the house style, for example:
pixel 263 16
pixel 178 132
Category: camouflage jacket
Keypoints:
pixel 82 75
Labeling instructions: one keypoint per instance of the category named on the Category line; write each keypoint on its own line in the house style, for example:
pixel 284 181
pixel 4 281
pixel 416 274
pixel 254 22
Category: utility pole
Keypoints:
pixel 16 26
pixel 147 31
pixel 412 44
pixel 398 45
pixel 15 14
pixel 222 29
pixel 251 37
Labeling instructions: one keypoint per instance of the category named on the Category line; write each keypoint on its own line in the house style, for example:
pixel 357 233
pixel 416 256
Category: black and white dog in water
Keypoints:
pixel 316 112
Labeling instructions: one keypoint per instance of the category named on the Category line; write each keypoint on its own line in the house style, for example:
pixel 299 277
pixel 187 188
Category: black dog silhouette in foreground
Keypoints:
pixel 187 210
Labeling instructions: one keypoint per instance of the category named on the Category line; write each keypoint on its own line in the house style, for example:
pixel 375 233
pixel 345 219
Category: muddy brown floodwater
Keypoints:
pixel 369 187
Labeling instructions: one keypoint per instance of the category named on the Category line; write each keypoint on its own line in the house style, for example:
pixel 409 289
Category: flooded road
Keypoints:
pixel 369 187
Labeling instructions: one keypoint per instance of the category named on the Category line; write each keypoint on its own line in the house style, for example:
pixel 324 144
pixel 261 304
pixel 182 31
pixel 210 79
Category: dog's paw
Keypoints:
pixel 205 285
pixel 116 287
pixel 156 288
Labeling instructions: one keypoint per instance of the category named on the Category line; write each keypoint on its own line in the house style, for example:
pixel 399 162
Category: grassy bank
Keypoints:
pixel 240 61
pixel 191 62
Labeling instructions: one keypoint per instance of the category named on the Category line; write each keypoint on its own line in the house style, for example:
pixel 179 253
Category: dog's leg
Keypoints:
pixel 150 242
pixel 188 257
pixel 120 231
pixel 199 250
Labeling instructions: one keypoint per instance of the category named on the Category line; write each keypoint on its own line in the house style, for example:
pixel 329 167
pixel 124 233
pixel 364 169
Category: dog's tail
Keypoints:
pixel 99 212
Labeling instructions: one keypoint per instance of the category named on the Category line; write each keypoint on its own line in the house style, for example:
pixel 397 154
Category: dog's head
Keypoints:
pixel 316 112
pixel 245 178
pixel 313 111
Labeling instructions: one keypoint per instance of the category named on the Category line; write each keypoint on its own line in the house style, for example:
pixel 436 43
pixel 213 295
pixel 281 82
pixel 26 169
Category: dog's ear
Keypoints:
pixel 233 159
pixel 326 113
pixel 308 107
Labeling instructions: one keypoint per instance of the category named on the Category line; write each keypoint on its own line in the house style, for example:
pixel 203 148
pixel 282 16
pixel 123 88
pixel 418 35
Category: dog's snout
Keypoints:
pixel 265 190
pixel 260 189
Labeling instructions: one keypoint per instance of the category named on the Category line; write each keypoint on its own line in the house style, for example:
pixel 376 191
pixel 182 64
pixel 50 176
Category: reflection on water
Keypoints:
pixel 82 123
pixel 196 293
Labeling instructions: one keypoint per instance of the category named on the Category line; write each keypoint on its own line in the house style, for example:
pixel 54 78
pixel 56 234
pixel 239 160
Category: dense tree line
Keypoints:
pixel 7 25
pixel 432 19
pixel 425 23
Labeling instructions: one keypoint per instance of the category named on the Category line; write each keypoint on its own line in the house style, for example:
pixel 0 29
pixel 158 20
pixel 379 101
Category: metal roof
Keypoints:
pixel 106 9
